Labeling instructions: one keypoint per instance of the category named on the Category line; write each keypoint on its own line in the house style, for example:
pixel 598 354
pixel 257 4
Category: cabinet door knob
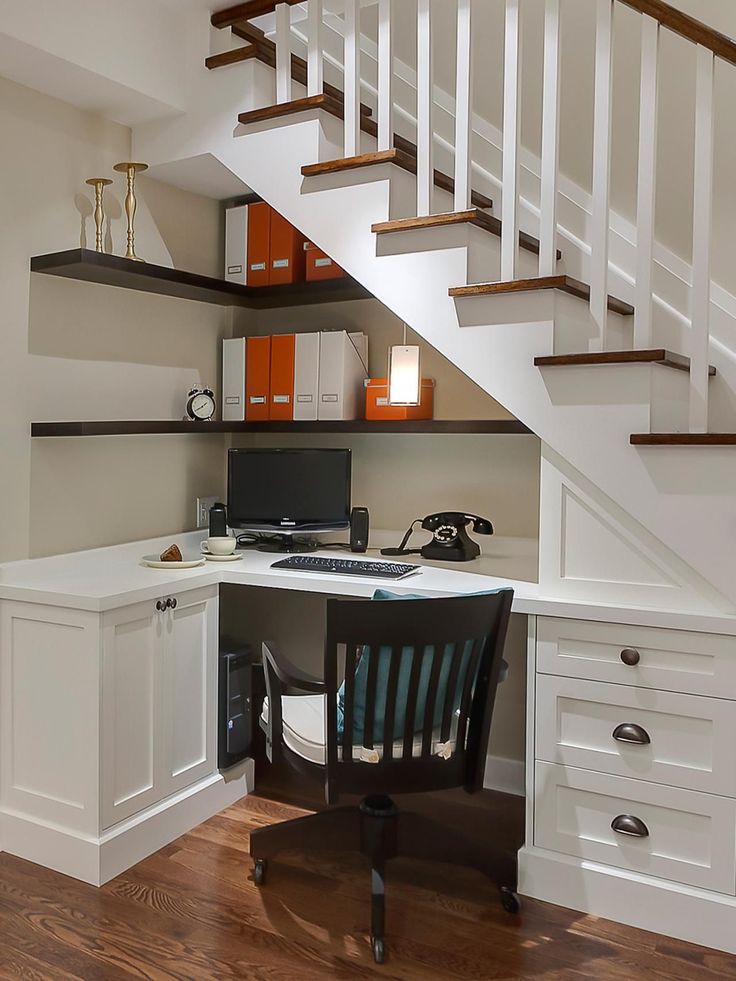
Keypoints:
pixel 628 732
pixel 627 824
pixel 173 603
pixel 160 606
pixel 630 656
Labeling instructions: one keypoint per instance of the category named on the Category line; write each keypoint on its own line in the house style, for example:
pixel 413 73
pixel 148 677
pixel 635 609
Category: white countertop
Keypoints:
pixel 107 578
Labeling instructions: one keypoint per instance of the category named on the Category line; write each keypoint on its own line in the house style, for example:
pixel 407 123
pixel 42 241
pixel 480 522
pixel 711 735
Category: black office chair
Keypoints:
pixel 413 714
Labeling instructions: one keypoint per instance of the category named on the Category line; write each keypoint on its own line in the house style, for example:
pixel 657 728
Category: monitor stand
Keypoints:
pixel 287 544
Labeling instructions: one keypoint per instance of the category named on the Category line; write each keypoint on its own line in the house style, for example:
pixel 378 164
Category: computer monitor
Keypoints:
pixel 289 491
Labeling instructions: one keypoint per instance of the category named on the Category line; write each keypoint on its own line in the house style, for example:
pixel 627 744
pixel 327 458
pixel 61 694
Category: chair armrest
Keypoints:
pixel 288 673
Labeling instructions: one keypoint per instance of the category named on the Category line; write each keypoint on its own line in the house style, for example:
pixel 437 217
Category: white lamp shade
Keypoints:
pixel 404 375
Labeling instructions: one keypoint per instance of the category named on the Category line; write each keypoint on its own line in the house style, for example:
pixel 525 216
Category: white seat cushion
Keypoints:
pixel 303 719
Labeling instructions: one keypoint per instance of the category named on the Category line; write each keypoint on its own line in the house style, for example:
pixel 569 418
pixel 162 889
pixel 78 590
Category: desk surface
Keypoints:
pixel 107 578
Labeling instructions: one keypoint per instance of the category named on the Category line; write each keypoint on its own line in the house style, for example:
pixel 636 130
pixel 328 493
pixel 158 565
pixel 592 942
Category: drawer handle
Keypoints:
pixel 160 606
pixel 628 732
pixel 630 656
pixel 627 824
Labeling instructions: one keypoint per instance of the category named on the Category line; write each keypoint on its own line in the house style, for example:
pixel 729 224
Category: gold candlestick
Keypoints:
pixel 131 169
pixel 99 184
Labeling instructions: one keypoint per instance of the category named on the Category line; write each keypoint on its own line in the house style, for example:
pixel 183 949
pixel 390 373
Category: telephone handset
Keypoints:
pixel 450 541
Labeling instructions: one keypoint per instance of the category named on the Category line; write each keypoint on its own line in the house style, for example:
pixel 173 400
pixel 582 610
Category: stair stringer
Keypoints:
pixel 685 506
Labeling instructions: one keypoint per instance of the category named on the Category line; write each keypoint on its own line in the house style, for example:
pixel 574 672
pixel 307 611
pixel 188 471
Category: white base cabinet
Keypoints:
pixel 108 730
pixel 631 776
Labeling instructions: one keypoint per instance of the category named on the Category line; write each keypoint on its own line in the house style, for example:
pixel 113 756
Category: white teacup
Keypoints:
pixel 219 546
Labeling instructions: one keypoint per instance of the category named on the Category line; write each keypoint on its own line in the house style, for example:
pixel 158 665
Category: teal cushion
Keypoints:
pixel 384 663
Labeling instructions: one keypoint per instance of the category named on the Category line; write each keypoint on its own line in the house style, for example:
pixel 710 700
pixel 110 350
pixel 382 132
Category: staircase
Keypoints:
pixel 635 464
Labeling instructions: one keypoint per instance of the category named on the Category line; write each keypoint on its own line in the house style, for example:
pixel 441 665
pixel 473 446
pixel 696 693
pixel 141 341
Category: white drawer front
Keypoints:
pixel 691 836
pixel 671 660
pixel 691 738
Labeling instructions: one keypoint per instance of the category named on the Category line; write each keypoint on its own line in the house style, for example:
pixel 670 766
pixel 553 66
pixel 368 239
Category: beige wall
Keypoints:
pixel 79 351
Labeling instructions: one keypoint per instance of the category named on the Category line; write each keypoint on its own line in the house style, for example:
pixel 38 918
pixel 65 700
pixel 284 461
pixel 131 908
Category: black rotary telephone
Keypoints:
pixel 450 541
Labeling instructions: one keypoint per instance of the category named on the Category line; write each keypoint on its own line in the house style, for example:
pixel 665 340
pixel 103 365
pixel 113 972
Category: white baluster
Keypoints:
pixel 647 193
pixel 352 78
pixel 511 123
pixel 550 140
pixel 601 173
pixel 315 62
pixel 283 53
pixel 463 106
pixel 425 133
pixel 385 76
pixel 702 225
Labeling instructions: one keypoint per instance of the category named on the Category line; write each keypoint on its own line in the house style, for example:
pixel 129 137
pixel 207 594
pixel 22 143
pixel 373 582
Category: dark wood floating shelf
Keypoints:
pixel 510 426
pixel 683 439
pixel 145 277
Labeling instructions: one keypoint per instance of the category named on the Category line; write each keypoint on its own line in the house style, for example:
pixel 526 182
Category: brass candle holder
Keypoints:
pixel 130 168
pixel 99 184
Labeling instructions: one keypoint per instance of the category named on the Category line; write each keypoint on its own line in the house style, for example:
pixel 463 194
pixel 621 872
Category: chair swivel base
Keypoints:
pixel 379 831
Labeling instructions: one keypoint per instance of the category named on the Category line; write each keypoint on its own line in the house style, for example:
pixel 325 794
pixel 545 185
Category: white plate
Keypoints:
pixel 154 562
pixel 222 558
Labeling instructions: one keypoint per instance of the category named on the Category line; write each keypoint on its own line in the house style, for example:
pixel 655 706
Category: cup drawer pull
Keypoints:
pixel 630 656
pixel 628 732
pixel 627 824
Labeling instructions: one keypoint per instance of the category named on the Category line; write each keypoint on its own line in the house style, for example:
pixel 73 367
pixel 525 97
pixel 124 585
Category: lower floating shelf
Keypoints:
pixel 144 427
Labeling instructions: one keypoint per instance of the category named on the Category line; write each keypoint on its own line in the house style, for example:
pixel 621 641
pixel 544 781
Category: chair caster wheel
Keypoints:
pixel 379 951
pixel 509 900
pixel 259 872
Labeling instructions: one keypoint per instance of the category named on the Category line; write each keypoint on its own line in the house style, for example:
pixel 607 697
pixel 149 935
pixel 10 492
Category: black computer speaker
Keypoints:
pixel 359 528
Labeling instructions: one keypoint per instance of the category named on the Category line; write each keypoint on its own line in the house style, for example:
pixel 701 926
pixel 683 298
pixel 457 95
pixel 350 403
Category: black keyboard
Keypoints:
pixel 346 567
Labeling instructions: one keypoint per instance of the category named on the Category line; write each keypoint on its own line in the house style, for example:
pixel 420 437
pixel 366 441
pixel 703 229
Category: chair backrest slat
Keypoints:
pixel 412 696
pixel 391 695
pixel 370 654
pixel 351 660
pixel 439 656
pixel 467 684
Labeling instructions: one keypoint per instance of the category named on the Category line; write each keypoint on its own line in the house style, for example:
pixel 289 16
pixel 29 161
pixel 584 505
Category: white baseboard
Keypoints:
pixel 669 908
pixel 506 776
pixel 97 860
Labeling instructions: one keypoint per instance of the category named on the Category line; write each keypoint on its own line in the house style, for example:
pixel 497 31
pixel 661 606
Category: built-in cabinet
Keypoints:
pixel 158 699
pixel 108 726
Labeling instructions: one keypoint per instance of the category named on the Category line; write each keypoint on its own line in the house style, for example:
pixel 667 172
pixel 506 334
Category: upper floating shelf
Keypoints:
pixel 111 270
pixel 144 427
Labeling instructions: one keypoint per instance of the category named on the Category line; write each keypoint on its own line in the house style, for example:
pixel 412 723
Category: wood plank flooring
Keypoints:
pixel 191 911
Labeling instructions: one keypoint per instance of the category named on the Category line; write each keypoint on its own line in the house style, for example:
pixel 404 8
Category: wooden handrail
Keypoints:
pixel 246 11
pixel 687 27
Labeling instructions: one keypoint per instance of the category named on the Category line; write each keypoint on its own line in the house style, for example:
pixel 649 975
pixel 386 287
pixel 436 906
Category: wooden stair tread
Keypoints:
pixel 322 101
pixel 234 57
pixel 658 355
pixel 472 216
pixel 402 158
pixel 244 11
pixel 564 283
pixel 683 439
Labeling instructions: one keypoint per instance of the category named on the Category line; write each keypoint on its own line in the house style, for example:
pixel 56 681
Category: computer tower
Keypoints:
pixel 240 681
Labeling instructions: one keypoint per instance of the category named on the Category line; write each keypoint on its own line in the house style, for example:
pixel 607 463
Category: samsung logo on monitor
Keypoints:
pixel 288 522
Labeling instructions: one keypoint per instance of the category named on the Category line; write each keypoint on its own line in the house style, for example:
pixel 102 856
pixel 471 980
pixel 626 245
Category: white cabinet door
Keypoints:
pixel 189 698
pixel 131 744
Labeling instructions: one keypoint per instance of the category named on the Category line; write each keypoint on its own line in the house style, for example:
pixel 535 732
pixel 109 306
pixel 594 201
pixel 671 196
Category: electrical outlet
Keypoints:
pixel 203 510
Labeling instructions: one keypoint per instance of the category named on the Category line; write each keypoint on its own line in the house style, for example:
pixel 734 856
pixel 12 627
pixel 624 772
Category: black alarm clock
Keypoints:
pixel 200 405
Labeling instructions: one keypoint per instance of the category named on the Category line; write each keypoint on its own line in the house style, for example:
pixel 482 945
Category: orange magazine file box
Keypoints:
pixel 377 407
pixel 259 244
pixel 287 263
pixel 257 378
pixel 282 376
pixel 319 264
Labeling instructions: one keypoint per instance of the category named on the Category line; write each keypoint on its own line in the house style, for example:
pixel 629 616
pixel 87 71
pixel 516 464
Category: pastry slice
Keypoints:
pixel 172 554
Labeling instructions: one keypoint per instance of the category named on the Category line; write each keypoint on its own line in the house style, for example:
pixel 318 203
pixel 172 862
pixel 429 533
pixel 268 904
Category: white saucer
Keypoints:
pixel 222 558
pixel 154 562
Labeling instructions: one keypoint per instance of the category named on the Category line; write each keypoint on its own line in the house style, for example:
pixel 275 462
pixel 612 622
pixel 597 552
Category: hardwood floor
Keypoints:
pixel 191 911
